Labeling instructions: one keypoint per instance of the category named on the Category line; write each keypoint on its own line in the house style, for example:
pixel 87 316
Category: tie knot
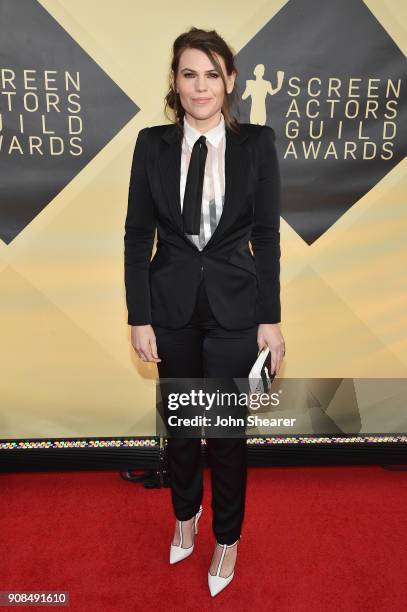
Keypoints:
pixel 201 140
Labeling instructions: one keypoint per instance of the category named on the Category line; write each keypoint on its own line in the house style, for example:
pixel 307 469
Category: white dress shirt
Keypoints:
pixel 213 192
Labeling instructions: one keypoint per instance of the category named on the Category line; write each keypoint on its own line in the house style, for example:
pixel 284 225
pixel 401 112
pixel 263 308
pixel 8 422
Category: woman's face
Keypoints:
pixel 199 85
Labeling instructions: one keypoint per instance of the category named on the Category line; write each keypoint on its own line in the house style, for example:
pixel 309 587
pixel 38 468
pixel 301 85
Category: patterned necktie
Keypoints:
pixel 192 203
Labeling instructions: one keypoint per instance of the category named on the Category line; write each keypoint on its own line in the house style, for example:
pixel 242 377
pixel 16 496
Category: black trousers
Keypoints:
pixel 205 349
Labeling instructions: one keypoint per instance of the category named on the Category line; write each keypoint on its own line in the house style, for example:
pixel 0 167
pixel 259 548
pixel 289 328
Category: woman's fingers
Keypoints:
pixel 144 343
pixel 273 362
pixel 277 351
pixel 261 343
pixel 277 360
pixel 280 356
pixel 146 352
pixel 153 345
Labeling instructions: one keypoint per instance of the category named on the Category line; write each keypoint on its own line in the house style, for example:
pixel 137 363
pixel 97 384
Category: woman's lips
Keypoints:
pixel 200 100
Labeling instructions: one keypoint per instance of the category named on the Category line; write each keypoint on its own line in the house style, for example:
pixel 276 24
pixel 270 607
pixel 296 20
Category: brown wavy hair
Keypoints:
pixel 209 42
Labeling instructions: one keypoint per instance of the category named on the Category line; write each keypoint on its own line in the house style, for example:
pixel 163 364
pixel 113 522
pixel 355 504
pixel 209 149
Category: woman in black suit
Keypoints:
pixel 204 306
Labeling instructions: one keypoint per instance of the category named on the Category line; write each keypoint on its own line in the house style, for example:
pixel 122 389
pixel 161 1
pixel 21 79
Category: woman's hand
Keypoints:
pixel 269 334
pixel 143 341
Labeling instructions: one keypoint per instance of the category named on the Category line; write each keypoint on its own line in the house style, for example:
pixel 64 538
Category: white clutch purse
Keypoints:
pixel 260 378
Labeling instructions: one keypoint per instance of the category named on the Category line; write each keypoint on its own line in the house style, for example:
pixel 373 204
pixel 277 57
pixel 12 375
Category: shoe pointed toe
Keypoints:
pixel 177 553
pixel 218 583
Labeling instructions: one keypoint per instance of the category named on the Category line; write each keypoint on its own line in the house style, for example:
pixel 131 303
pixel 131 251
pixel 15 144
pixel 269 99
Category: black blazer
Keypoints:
pixel 242 290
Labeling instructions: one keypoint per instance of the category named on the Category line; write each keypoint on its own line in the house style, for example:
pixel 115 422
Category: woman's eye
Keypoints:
pixel 212 74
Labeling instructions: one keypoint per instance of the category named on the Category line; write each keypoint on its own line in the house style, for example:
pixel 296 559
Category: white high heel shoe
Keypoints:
pixel 217 583
pixel 177 552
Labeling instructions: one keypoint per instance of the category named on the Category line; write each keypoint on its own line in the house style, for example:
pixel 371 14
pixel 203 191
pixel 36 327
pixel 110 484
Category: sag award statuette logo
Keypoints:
pixel 331 82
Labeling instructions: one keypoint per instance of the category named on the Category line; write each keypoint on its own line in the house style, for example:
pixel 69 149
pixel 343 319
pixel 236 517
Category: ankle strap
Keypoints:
pixel 227 545
pixel 224 547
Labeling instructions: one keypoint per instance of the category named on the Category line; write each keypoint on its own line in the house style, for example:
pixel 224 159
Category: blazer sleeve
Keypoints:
pixel 265 235
pixel 139 236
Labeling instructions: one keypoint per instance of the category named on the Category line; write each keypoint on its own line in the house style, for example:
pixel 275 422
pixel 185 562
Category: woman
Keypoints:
pixel 204 306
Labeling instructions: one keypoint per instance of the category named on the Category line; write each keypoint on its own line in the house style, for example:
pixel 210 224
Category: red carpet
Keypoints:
pixel 323 538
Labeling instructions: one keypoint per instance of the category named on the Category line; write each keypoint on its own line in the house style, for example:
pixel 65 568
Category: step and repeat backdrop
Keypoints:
pixel 78 80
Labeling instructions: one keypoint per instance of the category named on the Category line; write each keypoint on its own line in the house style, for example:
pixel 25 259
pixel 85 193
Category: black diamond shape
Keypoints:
pixel 323 39
pixel 31 39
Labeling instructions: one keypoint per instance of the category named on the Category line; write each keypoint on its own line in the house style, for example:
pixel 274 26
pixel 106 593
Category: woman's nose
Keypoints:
pixel 201 84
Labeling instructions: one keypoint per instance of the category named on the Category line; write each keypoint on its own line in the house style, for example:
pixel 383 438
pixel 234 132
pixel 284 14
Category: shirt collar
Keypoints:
pixel 214 135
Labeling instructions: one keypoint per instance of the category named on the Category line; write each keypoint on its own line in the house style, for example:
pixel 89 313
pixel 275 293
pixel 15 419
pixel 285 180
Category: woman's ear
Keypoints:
pixel 231 82
pixel 172 81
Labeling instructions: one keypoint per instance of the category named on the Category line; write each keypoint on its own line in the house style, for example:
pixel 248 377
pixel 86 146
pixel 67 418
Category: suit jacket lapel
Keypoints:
pixel 236 176
pixel 169 162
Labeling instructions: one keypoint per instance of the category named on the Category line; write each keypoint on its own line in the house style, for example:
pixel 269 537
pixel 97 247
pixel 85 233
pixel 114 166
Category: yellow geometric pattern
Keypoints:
pixel 68 368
